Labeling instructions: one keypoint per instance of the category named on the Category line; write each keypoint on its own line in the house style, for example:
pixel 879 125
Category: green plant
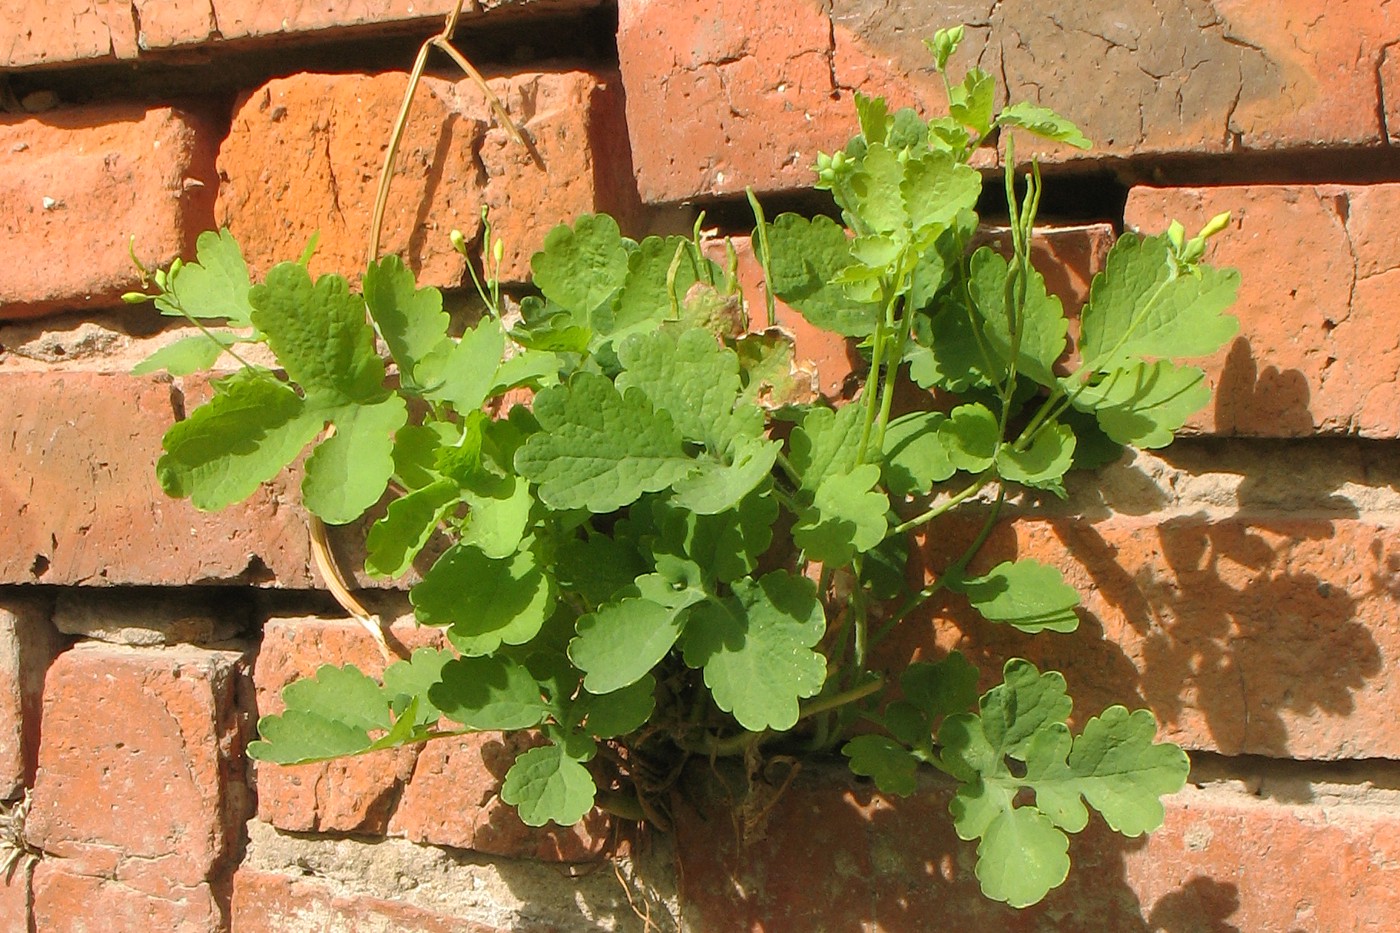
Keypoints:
pixel 672 551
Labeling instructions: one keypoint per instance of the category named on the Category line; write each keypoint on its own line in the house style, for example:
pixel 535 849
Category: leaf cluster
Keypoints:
pixel 666 551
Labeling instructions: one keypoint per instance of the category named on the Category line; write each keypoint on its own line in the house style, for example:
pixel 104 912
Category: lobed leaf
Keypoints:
pixel 1142 305
pixel 600 449
pixel 755 647
pixel 215 285
pixel 253 427
pixel 547 786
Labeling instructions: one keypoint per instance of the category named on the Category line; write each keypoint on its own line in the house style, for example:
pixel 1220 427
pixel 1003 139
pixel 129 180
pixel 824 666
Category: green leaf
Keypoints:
pixel 970 435
pixel 489 693
pixel 755 647
pixel 414 677
pixel 972 101
pixel 1021 857
pixel 716 486
pixel 253 427
pixel 915 457
pixel 1141 305
pixel 621 642
pixel 596 567
pixel 1043 463
pixel 1027 594
pixel 805 257
pixel 500 515
pixel 827 442
pixel 874 117
pixel 215 286
pixel 1114 765
pixel 1122 773
pixel 547 786
pixel 347 473
pixel 889 763
pixel 1043 122
pixel 875 190
pixel 725 545
pixel 1145 404
pixel 188 355
pixel 485 602
pixel 397 538
pixel 621 711
pixel 329 715
pixel 693 379
pixel 410 319
pixel 319 334
pixel 935 188
pixel 582 266
pixel 647 297
pixel 1042 321
pixel 600 449
pixel 943 688
pixel 464 378
pixel 846 517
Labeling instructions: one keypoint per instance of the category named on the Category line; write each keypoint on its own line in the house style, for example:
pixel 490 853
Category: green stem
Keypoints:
pixel 955 568
pixel 978 482
pixel 838 700
pixel 872 390
pixel 762 231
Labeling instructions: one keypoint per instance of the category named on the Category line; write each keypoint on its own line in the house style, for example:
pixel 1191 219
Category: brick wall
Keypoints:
pixel 1242 585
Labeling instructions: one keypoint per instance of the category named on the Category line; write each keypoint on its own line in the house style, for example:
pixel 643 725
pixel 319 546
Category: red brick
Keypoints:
pixel 268 902
pixel 305 154
pixel 71 31
pixel 80 499
pixel 141 771
pixel 728 93
pixel 28 644
pixel 69 902
pixel 1317 352
pixel 76 185
pixel 1390 92
pixel 16 896
pixel 468 771
pixel 1222 860
pixel 349 794
pixel 1262 636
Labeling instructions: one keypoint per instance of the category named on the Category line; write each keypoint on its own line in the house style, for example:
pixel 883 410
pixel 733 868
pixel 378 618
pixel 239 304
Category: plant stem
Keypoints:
pixel 946 505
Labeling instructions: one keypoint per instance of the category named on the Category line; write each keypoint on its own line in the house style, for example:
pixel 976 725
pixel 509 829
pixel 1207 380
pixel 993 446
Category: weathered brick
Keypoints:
pixel 350 794
pixel 468 771
pixel 141 775
pixel 83 506
pixel 723 93
pixel 52 33
pixel 77 184
pixel 73 31
pixel 305 154
pixel 67 901
pixel 1222 860
pixel 16 897
pixel 1317 352
pixel 353 883
pixel 268 902
pixel 1244 635
pixel 28 645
